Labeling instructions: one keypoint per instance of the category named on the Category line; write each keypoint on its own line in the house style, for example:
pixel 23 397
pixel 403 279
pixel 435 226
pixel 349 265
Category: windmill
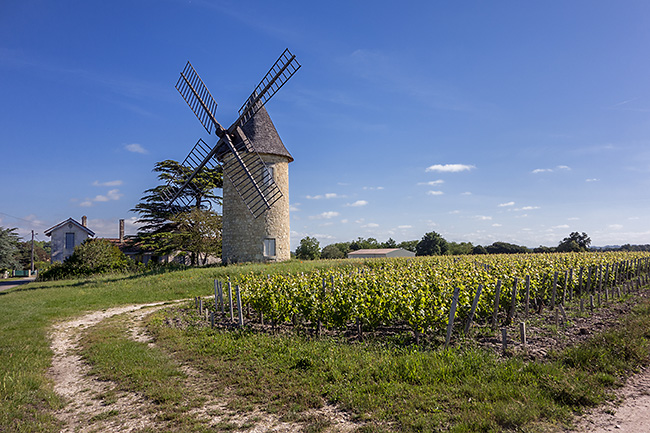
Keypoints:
pixel 254 161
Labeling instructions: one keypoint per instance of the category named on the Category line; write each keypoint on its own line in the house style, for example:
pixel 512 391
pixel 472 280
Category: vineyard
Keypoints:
pixel 421 292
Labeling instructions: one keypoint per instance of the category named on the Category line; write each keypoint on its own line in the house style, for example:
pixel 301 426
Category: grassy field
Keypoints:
pixel 384 387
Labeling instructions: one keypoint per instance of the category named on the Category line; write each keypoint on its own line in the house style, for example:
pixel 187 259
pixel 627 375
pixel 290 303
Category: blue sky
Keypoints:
pixel 483 121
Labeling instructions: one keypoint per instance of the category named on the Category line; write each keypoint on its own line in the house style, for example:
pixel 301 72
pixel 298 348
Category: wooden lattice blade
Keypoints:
pixel 278 75
pixel 198 97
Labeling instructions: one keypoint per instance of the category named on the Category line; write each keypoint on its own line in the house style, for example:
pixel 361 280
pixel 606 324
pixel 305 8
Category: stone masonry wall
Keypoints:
pixel 243 236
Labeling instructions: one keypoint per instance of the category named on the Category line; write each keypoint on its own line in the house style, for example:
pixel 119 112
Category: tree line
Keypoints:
pixel 433 243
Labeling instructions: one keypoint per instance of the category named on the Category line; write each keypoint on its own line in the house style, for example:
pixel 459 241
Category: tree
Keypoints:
pixel 159 219
pixel 506 248
pixel 364 244
pixel 479 249
pixel 575 242
pixel 432 244
pixel 408 245
pixel 332 252
pixel 9 248
pixel 24 254
pixel 390 243
pixel 309 249
pixel 199 233
pixel 462 248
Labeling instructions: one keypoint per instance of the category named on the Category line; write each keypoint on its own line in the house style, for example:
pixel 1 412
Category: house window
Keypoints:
pixel 269 247
pixel 69 241
pixel 268 175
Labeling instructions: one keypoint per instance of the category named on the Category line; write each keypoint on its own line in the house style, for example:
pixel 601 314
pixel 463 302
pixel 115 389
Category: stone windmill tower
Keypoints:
pixel 265 238
pixel 254 162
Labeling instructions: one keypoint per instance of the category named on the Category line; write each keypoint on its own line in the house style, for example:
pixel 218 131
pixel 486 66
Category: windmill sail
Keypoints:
pixel 244 168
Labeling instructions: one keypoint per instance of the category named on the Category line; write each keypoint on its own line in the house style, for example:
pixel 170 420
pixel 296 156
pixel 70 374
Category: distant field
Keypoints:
pixel 380 385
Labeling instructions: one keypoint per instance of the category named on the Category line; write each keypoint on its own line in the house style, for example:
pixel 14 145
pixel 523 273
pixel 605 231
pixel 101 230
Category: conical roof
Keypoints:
pixel 262 134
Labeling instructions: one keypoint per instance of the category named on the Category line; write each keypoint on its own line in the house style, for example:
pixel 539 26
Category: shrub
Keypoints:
pixel 94 256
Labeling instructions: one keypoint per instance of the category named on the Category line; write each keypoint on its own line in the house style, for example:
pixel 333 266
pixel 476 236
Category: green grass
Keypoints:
pixel 405 388
pixel 28 311
pixel 385 387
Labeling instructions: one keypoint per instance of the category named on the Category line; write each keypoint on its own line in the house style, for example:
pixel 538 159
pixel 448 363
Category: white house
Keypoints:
pixel 380 253
pixel 67 235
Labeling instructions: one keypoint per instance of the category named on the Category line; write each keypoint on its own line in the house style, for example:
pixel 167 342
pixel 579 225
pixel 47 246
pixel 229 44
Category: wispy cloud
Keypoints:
pixel 373 188
pixel 358 203
pixel 483 217
pixel 510 203
pixel 136 148
pixel 432 182
pixel 527 208
pixel 324 215
pixel 370 226
pixel 326 196
pixel 113 194
pixel 450 168
pixel 551 170
pixel 435 193
pixel 109 183
pixel 404 227
pixel 593 179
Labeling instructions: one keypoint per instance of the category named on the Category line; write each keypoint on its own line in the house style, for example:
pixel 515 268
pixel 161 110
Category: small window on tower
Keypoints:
pixel 268 175
pixel 269 247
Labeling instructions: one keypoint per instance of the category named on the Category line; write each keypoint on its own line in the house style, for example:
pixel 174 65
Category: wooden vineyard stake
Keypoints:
pixel 513 302
pixel 566 282
pixel 452 314
pixel 239 307
pixel 527 301
pixel 211 319
pixel 504 339
pixel 232 314
pixel 201 306
pixel 497 295
pixel 473 309
pixel 565 320
pixel 554 292
pixel 522 334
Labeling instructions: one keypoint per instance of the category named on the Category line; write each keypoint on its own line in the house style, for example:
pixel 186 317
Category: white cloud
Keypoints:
pixel 404 227
pixel 527 208
pixel 370 225
pixel 592 180
pixel 136 148
pixel 483 217
pixel 373 188
pixel 510 203
pixel 432 182
pixel 615 226
pixel 324 215
pixel 326 196
pixel 113 194
pixel 358 203
pixel 294 207
pixel 435 193
pixel 561 226
pixel 466 193
pixel 450 168
pixel 344 221
pixel 551 170
pixel 497 225
pixel 109 183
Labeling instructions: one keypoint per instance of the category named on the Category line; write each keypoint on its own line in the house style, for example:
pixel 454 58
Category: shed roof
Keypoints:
pixel 49 231
pixel 376 251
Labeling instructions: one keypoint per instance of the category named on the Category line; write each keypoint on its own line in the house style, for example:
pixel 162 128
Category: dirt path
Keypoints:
pixel 630 415
pixel 95 405
pixel 92 404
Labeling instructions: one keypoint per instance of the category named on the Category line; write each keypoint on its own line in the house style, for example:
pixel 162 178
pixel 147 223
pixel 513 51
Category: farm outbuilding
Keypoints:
pixel 380 253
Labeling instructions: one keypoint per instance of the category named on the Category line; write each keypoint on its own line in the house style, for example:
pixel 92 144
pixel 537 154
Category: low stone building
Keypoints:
pixel 67 235
pixel 380 253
